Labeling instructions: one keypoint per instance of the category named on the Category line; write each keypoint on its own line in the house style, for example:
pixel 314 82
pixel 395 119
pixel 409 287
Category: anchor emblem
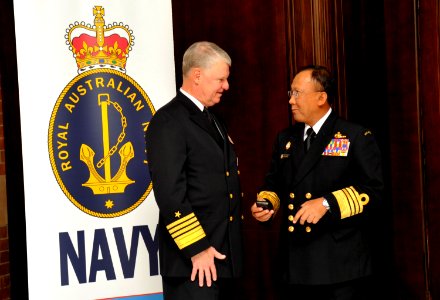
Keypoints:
pixel 108 184
pixel 100 113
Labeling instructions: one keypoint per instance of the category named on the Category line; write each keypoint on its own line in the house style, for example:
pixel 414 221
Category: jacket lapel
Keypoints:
pixel 197 117
pixel 298 139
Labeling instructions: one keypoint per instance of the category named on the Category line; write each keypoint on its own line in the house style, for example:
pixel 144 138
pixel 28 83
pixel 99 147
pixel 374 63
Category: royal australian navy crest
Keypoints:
pixel 98 124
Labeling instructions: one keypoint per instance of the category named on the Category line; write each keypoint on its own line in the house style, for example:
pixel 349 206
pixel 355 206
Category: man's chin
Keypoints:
pixel 216 100
pixel 297 117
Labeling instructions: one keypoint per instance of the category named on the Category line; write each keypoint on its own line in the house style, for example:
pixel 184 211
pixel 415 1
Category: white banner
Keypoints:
pixel 91 75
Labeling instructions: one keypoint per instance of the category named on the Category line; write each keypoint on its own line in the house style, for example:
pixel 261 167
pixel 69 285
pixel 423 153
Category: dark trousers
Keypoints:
pixel 351 290
pixel 185 289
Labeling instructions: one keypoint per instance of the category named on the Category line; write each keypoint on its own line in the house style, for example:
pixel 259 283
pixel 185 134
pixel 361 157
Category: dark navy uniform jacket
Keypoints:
pixel 196 187
pixel 343 165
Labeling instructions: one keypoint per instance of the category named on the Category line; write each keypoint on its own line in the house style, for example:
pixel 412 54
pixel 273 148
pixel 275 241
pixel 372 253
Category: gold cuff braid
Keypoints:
pixel 186 230
pixel 350 201
pixel 272 198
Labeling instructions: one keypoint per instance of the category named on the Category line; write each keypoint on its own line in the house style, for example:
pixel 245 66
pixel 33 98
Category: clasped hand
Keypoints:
pixel 311 212
pixel 203 264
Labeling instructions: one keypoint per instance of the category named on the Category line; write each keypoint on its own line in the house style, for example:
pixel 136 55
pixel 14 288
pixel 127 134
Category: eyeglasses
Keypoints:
pixel 296 93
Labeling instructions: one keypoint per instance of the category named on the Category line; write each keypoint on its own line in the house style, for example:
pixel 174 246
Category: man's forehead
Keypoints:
pixel 303 78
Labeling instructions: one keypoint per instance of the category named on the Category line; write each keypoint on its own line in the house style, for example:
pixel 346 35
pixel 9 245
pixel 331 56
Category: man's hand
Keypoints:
pixel 261 214
pixel 311 212
pixel 203 263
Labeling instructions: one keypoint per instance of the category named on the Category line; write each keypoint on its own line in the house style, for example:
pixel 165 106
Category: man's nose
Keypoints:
pixel 226 85
pixel 292 100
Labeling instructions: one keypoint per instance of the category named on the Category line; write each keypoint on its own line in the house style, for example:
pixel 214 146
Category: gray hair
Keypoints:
pixel 203 55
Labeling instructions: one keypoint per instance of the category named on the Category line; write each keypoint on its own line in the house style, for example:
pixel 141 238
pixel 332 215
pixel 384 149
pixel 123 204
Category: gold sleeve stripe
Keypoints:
pixel 356 207
pixel 272 198
pixel 183 225
pixel 191 215
pixel 349 195
pixel 186 231
pixel 350 201
pixel 190 237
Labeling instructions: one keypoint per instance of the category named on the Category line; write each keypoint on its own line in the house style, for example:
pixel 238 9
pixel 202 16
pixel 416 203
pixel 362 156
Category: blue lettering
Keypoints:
pixel 153 248
pixel 104 264
pixel 78 261
pixel 128 263
pixel 101 258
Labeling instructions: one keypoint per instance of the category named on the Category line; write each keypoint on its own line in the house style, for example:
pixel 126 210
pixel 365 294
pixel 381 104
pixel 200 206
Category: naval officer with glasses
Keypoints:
pixel 324 181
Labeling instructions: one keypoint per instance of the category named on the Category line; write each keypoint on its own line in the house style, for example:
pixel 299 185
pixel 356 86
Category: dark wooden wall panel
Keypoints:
pixel 366 103
pixel 429 59
pixel 315 35
pixel 405 148
pixel 301 29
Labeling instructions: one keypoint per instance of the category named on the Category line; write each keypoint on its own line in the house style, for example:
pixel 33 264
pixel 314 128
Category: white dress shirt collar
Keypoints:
pixel 193 99
pixel 318 124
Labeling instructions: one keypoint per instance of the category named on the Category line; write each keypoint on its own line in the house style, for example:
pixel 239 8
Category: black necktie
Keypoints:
pixel 309 139
pixel 212 121
pixel 208 115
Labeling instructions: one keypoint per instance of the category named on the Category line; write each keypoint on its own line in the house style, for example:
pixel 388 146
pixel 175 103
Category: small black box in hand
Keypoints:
pixel 265 204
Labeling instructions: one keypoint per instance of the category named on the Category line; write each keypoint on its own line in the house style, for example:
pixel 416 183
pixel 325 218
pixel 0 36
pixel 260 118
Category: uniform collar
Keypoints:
pixel 318 124
pixel 193 99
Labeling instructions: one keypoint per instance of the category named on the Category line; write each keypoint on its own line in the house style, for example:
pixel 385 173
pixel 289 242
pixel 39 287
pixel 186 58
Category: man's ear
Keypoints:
pixel 322 99
pixel 195 74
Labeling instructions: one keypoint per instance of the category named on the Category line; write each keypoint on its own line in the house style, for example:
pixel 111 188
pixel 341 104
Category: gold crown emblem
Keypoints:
pixel 100 45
